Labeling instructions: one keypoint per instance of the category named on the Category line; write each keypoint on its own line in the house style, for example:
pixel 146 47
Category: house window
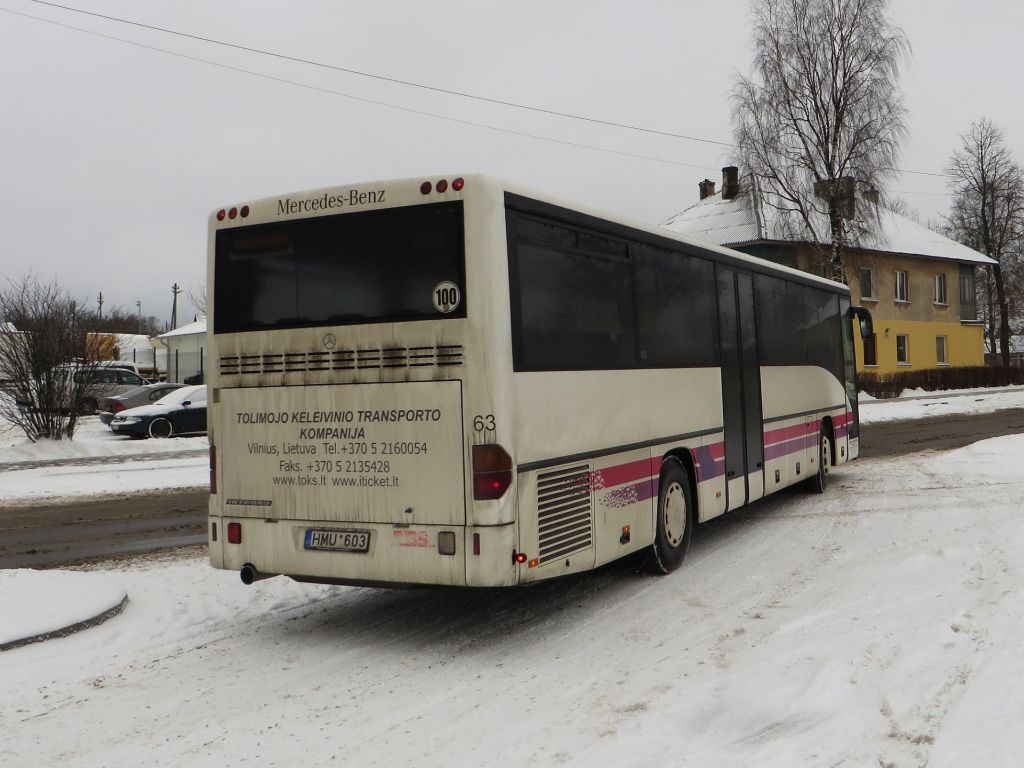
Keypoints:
pixel 867 285
pixel 902 349
pixel 940 289
pixel 870 351
pixel 968 295
pixel 940 350
pixel 902 289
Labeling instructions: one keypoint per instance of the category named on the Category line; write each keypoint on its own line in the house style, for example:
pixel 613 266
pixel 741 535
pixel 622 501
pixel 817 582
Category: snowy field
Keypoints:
pixel 877 625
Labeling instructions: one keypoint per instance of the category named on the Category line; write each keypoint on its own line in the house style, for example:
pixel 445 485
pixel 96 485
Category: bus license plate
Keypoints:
pixel 337 541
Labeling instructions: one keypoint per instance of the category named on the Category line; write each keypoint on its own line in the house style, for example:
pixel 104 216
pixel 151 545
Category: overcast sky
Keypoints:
pixel 114 154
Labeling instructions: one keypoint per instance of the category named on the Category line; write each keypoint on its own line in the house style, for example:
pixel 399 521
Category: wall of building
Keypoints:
pixel 964 345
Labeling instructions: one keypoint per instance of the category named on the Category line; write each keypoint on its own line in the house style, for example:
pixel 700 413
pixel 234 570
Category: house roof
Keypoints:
pixel 192 329
pixel 747 219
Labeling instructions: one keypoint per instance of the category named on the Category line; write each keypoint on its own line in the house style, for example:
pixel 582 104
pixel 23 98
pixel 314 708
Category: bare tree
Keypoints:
pixel 197 298
pixel 987 214
pixel 43 349
pixel 821 114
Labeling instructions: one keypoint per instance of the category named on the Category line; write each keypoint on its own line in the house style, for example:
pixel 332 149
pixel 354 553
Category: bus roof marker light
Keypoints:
pixel 233 213
pixel 458 184
pixel 244 212
pixel 221 214
pixel 442 185
pixel 425 187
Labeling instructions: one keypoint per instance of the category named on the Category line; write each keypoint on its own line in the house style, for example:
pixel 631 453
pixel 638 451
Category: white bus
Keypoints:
pixel 456 382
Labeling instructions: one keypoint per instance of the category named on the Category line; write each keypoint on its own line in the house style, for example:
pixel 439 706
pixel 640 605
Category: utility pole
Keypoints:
pixel 174 306
pixel 138 304
pixel 100 300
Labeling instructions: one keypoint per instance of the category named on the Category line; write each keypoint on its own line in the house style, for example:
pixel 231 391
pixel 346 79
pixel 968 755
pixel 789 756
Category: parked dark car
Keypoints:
pixel 133 398
pixel 181 412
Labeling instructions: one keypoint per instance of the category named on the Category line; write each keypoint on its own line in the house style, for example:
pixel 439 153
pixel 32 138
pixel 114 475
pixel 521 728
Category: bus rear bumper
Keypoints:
pixel 395 555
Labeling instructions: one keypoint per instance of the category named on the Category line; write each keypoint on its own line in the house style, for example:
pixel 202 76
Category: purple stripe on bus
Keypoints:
pixel 789 447
pixel 707 467
pixel 630 494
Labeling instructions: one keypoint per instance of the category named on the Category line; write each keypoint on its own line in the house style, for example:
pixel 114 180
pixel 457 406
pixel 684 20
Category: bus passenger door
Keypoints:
pixel 741 389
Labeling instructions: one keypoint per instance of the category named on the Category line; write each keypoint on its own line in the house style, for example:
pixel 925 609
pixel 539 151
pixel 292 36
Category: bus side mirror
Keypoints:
pixel 867 326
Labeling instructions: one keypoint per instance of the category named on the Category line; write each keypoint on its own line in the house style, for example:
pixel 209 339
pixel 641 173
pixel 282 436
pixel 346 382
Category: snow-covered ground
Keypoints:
pixel 878 624
pixel 918 404
pixel 95 463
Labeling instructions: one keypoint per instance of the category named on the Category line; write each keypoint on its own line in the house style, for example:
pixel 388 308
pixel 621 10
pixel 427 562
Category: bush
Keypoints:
pixel 885 385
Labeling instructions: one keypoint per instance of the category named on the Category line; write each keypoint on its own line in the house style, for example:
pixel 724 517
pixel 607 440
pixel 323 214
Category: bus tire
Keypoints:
pixel 160 428
pixel 819 482
pixel 675 519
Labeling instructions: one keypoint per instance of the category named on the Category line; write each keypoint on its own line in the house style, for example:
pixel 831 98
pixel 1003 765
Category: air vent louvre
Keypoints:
pixel 343 360
pixel 564 512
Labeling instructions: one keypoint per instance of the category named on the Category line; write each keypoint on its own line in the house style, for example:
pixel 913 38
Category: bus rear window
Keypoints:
pixel 368 267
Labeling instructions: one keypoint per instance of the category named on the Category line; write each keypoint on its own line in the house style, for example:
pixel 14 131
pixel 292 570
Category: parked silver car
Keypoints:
pixel 104 382
pixel 144 395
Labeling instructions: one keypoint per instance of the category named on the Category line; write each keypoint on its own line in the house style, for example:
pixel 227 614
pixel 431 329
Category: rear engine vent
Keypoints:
pixel 343 360
pixel 565 521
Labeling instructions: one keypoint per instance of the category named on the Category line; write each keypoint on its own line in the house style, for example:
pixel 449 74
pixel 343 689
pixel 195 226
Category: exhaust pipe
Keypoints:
pixel 249 574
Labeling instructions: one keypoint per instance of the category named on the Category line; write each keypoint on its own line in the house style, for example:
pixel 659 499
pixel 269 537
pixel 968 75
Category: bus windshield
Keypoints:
pixel 368 267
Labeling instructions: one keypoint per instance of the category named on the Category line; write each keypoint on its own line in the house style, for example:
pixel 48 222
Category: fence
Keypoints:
pixel 185 365
pixel 885 385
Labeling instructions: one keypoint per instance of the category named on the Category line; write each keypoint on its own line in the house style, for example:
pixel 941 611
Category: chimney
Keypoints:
pixel 707 188
pixel 730 182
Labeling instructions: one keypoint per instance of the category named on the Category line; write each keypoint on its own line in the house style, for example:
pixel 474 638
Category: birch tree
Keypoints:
pixel 821 114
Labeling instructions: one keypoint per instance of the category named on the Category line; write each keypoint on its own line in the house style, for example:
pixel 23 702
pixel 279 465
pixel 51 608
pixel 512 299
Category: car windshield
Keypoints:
pixel 178 396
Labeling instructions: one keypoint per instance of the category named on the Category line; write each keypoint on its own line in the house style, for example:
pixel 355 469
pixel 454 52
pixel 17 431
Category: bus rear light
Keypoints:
pixel 458 184
pixel 244 212
pixel 213 469
pixel 533 563
pixel 442 185
pixel 234 533
pixel 519 557
pixel 213 532
pixel 492 472
pixel 476 543
pixel 221 214
pixel 425 187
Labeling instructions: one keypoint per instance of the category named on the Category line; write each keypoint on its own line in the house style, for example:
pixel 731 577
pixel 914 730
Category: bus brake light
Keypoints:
pixel 234 533
pixel 492 472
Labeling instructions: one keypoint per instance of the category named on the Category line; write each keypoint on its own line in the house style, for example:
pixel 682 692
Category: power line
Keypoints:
pixel 376 102
pixel 384 78
pixel 394 80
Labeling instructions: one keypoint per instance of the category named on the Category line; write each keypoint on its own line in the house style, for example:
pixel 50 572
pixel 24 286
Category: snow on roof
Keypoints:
pixel 739 221
pixel 197 327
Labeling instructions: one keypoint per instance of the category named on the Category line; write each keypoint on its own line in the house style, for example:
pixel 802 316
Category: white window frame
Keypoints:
pixel 941 297
pixel 902 281
pixel 942 343
pixel 906 349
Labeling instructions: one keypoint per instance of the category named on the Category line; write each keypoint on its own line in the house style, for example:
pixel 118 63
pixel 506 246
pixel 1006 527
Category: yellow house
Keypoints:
pixel 918 284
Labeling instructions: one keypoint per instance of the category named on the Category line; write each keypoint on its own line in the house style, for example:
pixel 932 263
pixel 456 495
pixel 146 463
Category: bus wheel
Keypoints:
pixel 675 518
pixel 819 482
pixel 160 428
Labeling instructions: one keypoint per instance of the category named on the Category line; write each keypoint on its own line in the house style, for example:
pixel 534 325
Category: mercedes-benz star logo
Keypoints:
pixel 329 341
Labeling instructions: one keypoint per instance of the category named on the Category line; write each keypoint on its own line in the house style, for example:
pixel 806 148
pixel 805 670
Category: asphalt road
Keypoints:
pixel 62 534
